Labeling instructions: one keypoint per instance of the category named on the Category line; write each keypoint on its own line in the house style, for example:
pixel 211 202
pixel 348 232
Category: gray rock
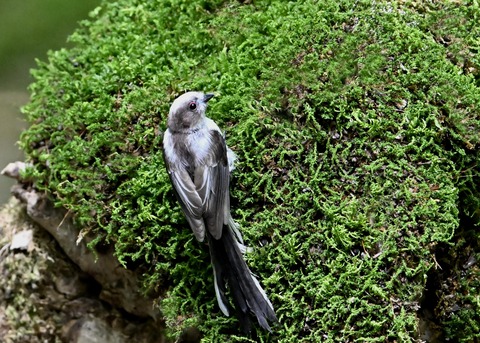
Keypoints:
pixel 90 329
pixel 120 286
pixel 22 240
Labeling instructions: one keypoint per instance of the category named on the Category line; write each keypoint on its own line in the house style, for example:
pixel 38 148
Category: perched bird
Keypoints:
pixel 198 162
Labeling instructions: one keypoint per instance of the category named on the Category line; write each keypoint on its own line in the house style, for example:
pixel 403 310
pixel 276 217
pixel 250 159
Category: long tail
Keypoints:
pixel 230 267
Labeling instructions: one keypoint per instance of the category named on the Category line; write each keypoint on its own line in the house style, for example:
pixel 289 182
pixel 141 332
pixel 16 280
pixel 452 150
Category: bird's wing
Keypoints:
pixel 189 200
pixel 212 185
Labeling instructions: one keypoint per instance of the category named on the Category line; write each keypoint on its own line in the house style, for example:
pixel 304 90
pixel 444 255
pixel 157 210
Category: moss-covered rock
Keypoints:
pixel 45 297
pixel 357 127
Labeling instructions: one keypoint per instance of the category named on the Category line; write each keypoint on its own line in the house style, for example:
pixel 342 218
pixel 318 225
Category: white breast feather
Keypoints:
pixel 199 144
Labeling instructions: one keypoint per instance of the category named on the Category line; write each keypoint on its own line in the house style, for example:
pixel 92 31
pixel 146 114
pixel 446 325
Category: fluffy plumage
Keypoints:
pixel 199 163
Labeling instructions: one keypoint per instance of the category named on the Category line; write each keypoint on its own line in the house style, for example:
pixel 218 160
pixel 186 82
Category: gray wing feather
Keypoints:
pixel 212 182
pixel 190 201
pixel 205 200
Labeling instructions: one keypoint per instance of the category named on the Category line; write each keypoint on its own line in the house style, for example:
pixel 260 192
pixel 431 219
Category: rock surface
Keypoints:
pixel 119 286
pixel 45 297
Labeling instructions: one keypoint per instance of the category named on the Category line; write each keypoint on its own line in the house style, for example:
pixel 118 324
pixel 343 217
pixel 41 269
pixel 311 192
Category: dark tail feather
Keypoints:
pixel 229 266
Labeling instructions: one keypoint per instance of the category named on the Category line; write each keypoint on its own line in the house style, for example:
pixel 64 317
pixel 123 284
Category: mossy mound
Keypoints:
pixel 356 124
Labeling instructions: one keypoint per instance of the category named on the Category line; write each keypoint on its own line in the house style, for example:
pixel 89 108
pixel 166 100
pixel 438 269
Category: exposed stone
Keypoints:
pixel 119 285
pixel 44 297
pixel 14 169
pixel 22 240
pixel 91 330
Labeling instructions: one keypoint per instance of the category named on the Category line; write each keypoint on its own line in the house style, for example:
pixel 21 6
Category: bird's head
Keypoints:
pixel 188 111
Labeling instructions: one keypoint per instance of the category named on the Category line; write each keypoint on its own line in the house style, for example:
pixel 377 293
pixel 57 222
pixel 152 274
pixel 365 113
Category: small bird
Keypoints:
pixel 199 162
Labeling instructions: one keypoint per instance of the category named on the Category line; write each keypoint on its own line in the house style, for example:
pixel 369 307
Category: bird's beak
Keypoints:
pixel 208 97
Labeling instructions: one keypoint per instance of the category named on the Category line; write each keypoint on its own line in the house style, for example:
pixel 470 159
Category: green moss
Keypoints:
pixel 356 125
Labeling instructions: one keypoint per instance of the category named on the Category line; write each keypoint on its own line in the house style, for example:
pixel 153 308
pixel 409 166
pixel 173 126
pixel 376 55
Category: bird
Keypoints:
pixel 199 163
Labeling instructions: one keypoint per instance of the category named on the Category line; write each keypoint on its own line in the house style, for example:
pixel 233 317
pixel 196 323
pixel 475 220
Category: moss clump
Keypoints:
pixel 356 124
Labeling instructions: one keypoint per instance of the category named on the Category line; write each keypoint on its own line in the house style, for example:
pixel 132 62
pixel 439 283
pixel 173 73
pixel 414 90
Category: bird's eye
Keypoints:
pixel 192 106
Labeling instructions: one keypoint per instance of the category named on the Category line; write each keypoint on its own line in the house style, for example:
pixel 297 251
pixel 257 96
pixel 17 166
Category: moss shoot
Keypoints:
pixel 357 128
